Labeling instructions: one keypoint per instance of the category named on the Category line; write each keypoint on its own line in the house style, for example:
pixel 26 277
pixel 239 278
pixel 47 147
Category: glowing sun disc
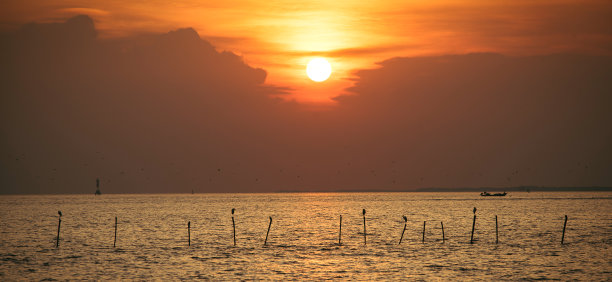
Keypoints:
pixel 318 69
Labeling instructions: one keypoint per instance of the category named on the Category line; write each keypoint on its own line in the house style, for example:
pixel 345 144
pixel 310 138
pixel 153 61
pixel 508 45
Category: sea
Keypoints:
pixel 191 236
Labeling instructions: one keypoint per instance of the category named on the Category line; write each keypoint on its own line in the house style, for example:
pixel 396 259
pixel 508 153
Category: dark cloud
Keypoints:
pixel 479 117
pixel 75 107
pixel 231 40
pixel 168 113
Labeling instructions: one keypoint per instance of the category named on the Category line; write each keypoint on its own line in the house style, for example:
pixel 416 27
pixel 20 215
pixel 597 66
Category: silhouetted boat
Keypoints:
pixel 487 194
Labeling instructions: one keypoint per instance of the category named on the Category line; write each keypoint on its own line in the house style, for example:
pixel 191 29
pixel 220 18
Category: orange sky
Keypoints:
pixel 281 36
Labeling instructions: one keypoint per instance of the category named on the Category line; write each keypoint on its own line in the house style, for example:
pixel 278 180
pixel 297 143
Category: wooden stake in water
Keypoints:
pixel 364 227
pixel 188 233
pixel 234 226
pixel 442 224
pixel 405 222
pixel 564 224
pixel 473 225
pixel 424 231
pixel 59 223
pixel 496 231
pixel 115 241
pixel 340 232
pixel 266 241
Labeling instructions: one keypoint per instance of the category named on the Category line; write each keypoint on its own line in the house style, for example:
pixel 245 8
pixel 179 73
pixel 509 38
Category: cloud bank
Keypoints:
pixel 168 113
pixel 487 116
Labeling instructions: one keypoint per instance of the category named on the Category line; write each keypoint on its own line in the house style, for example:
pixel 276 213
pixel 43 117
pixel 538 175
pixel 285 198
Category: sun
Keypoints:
pixel 318 69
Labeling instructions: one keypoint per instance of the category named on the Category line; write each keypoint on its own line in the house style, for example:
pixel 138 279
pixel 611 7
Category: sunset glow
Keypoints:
pixel 277 35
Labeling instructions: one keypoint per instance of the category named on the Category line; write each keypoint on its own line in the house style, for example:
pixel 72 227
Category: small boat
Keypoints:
pixel 487 194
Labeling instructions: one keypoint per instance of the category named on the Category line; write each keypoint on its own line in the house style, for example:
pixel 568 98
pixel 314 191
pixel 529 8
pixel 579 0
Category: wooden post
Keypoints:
pixel 234 226
pixel 59 223
pixel 496 231
pixel 340 232
pixel 564 224
pixel 424 231
pixel 364 228
pixel 188 233
pixel 442 231
pixel 115 241
pixel 405 222
pixel 473 225
pixel 266 241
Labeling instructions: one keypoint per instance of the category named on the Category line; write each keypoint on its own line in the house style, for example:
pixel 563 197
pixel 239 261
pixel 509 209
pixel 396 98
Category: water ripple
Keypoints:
pixel 303 240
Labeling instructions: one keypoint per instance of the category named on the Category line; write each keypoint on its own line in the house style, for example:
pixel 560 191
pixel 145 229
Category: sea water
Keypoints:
pixel 152 236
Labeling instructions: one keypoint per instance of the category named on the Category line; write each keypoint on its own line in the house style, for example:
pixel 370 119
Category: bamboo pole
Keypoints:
pixel 364 228
pixel 405 222
pixel 564 224
pixel 442 224
pixel 59 223
pixel 234 226
pixel 115 241
pixel 266 241
pixel 340 232
pixel 473 225
pixel 496 231
pixel 424 231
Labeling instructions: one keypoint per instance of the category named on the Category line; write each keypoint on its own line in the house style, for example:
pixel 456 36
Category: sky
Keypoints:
pixel 209 96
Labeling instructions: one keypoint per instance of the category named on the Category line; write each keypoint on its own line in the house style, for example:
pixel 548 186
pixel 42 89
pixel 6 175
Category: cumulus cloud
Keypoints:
pixel 75 107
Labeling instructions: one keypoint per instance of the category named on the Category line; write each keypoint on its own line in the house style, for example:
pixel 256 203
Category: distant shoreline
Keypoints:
pixel 424 190
pixel 466 189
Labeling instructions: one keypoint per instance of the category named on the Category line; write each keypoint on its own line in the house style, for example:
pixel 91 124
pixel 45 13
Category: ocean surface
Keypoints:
pixel 152 237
